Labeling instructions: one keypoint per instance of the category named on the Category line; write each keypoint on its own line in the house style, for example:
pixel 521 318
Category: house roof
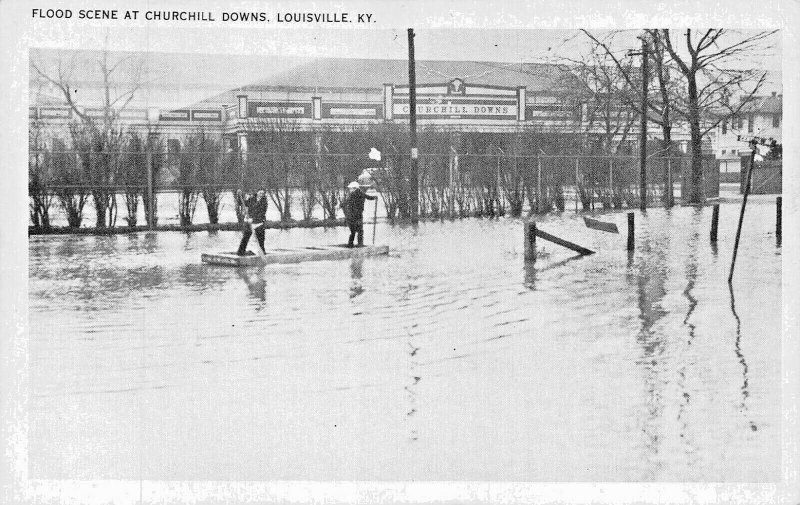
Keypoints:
pixel 768 104
pixel 372 74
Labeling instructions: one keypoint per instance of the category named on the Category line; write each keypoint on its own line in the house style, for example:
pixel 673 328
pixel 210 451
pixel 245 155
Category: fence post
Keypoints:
pixel 778 218
pixel 530 240
pixel 150 191
pixel 714 222
pixel 630 231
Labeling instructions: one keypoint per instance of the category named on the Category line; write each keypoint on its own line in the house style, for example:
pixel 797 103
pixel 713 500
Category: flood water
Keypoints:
pixel 448 360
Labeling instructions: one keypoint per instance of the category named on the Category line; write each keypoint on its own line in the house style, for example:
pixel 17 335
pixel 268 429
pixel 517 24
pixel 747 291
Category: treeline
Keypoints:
pixel 461 174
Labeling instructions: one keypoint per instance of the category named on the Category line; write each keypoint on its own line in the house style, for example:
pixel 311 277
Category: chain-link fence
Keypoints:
pixel 304 185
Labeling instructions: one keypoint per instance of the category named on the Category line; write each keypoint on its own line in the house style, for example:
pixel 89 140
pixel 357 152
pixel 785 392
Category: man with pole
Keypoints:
pixel 354 211
pixel 255 207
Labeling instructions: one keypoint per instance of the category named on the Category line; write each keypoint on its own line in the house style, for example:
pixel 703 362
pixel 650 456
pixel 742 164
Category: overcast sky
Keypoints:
pixel 257 53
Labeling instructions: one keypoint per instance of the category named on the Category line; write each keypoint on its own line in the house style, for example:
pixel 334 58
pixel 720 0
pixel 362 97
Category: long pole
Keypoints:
pixel 643 133
pixel 741 212
pixel 412 103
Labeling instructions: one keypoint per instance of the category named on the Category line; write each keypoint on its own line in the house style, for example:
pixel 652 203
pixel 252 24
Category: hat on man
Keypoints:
pixel 353 185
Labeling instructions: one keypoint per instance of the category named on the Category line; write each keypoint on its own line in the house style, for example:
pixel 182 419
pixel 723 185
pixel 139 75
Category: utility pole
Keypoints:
pixel 412 105
pixel 643 132
pixel 643 137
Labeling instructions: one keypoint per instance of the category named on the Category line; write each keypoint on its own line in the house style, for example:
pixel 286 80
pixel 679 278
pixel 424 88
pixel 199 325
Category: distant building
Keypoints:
pixel 175 100
pixel 762 117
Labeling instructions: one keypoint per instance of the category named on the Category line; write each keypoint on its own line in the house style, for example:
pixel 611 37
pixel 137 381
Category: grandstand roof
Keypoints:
pixel 372 74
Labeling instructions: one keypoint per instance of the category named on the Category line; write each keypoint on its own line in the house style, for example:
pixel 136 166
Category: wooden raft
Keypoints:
pixel 294 255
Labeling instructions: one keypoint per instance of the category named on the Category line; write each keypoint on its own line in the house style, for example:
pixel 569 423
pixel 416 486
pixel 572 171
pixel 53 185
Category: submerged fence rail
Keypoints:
pixel 451 185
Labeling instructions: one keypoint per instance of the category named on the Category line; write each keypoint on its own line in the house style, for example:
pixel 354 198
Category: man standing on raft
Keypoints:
pixel 256 207
pixel 354 212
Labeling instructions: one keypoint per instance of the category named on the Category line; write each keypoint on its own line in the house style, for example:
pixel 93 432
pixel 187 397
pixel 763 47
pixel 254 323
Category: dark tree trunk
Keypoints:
pixel 696 142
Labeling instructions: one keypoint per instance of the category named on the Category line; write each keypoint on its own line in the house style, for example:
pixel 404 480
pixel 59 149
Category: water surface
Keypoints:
pixel 448 360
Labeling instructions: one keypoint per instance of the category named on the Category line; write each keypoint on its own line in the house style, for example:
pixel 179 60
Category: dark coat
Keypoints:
pixel 354 205
pixel 256 209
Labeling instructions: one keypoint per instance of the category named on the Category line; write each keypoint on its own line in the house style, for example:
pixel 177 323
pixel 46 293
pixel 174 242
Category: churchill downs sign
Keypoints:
pixel 459 107
pixel 457 99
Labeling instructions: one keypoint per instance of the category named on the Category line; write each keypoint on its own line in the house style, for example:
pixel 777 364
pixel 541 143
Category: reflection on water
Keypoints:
pixel 356 264
pixel 740 357
pixel 450 359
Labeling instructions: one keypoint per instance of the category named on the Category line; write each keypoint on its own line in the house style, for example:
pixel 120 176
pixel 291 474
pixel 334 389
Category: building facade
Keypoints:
pixel 762 117
pixel 476 97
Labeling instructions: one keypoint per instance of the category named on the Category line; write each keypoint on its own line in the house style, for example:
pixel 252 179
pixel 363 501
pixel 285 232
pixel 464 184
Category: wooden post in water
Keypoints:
pixel 631 238
pixel 714 222
pixel 530 241
pixel 778 218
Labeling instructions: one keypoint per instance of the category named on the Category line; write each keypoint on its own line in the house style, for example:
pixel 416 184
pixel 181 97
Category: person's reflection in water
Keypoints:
pixel 254 278
pixel 150 242
pixel 738 350
pixel 356 265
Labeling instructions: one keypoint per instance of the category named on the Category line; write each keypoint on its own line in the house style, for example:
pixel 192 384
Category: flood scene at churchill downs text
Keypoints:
pixel 551 295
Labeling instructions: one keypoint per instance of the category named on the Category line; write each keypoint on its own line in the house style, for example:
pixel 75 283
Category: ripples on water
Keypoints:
pixel 449 360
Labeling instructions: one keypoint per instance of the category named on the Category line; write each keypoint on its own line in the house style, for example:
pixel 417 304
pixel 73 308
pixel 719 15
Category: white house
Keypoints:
pixel 762 117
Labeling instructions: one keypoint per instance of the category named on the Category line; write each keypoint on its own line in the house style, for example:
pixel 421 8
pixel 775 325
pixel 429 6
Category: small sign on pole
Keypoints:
pixel 600 225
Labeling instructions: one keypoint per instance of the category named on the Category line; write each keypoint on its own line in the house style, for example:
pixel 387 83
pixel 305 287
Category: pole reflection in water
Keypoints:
pixel 740 356
pixel 410 388
pixel 689 447
pixel 256 284
pixel 650 278
pixel 531 269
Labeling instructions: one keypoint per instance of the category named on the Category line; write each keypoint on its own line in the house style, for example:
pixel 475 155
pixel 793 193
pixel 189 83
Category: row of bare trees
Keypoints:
pixel 101 167
pixel 461 174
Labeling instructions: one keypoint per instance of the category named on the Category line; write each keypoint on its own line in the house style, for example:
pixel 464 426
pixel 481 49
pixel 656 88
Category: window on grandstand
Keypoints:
pixel 750 121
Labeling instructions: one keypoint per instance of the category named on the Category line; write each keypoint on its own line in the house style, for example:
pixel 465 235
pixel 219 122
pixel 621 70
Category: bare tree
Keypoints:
pixel 99 132
pixel 121 80
pixel 710 83
pixel 606 91
pixel 660 100
pixel 703 96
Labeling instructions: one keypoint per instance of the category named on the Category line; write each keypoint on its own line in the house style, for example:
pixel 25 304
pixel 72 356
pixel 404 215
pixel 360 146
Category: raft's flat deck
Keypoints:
pixel 295 255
